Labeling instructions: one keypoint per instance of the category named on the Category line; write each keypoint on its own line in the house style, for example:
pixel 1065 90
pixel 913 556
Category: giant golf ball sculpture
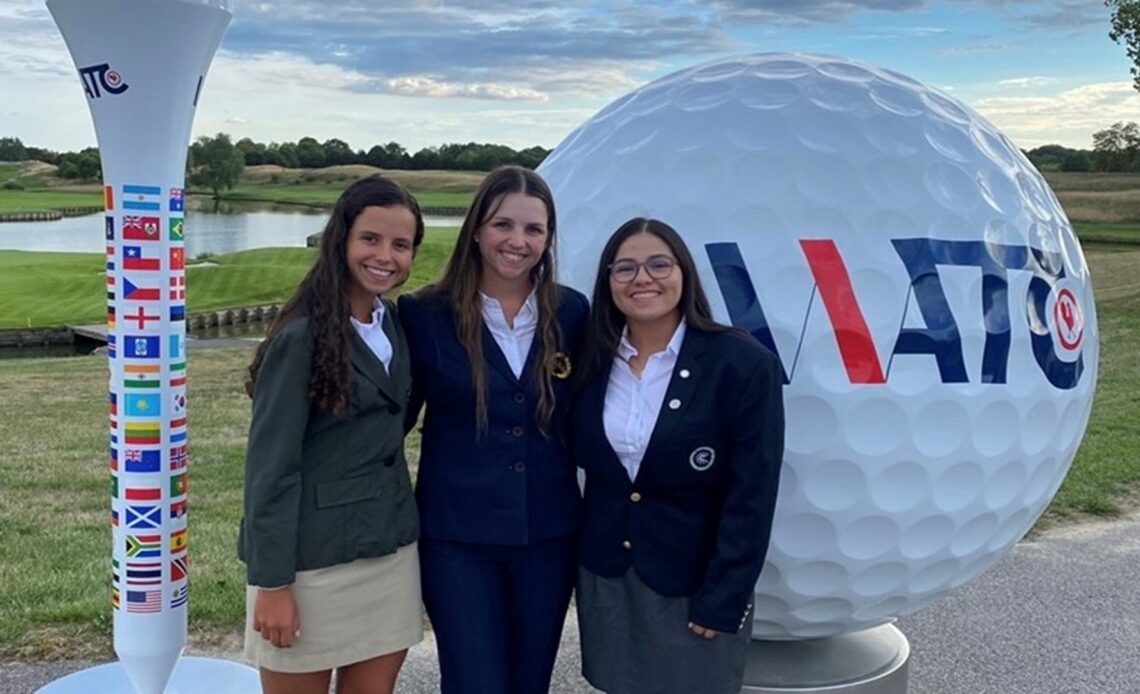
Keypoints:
pixel 919 282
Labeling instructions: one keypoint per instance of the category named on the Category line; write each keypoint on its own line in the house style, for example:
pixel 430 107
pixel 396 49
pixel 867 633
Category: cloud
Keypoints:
pixel 423 85
pixel 1025 82
pixel 1064 118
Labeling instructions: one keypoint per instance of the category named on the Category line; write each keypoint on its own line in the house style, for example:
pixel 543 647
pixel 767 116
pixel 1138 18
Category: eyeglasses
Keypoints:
pixel 659 267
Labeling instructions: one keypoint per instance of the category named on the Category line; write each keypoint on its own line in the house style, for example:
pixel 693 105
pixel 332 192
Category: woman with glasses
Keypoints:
pixel 679 425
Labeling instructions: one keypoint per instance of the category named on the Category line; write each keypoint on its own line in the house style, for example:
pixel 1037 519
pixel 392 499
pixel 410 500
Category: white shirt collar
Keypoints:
pixel 377 316
pixel 527 315
pixel 626 351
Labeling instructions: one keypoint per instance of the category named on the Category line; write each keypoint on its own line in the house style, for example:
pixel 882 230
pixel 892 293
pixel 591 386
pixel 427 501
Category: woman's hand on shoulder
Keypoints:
pixel 275 616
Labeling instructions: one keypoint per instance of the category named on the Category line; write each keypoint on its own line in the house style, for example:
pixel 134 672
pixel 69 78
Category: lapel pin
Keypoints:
pixel 674 404
pixel 684 373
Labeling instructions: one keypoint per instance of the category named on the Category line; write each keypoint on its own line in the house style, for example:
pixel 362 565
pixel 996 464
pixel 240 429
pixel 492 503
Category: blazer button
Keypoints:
pixel 626 544
pixel 520 398
pixel 635 497
pixel 518 432
pixel 520 466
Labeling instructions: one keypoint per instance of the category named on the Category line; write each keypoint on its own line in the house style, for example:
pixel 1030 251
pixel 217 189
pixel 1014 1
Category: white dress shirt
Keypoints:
pixel 374 336
pixel 514 341
pixel 633 403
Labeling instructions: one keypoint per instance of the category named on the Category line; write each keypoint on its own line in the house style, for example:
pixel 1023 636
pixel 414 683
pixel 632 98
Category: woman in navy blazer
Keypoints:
pixel 492 348
pixel 679 426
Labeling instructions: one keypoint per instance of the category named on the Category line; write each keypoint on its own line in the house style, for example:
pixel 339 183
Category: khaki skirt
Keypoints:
pixel 349 613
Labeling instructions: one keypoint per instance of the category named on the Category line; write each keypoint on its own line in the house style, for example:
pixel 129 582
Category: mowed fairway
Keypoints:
pixel 54 479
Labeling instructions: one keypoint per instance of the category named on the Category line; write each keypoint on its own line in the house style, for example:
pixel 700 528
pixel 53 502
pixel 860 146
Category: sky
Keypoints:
pixel 428 72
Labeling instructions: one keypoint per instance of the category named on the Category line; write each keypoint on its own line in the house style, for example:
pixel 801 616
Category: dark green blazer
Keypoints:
pixel 322 490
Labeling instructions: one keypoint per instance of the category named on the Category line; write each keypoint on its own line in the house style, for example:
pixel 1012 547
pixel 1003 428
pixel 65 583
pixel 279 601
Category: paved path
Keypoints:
pixel 1058 615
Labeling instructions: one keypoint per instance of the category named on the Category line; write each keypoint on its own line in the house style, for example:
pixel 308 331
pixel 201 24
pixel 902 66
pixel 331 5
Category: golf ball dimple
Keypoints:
pixel 917 278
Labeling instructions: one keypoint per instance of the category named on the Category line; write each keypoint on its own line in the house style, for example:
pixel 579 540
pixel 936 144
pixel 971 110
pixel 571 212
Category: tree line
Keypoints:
pixel 1115 149
pixel 306 153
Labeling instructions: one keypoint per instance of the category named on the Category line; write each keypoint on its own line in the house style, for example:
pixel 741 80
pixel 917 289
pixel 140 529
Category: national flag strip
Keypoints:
pixel 114 486
pixel 144 601
pixel 108 198
pixel 143 404
pixel 142 494
pixel 144 517
pixel 176 229
pixel 179 485
pixel 178 458
pixel 145 573
pixel 178 402
pixel 136 292
pixel 141 376
pixel 141 258
pixel 179 541
pixel 178 288
pixel 144 546
pixel 177 509
pixel 114 571
pixel 177 200
pixel 110 317
pixel 111 345
pixel 178 258
pixel 113 456
pixel 109 228
pixel 146 198
pixel 113 403
pixel 110 258
pixel 178 375
pixel 140 317
pixel 178 313
pixel 139 228
pixel 114 518
pixel 142 433
pixel 142 346
pixel 179 595
pixel 175 342
pixel 137 460
pixel 179 568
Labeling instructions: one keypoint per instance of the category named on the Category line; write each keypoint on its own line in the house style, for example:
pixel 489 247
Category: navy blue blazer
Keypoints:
pixel 695 522
pixel 511 485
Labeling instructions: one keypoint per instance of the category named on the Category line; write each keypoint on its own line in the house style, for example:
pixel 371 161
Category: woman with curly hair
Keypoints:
pixel 330 525
pixel 492 349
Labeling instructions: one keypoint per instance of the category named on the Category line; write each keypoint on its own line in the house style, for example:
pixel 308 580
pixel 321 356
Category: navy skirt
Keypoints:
pixel 636 641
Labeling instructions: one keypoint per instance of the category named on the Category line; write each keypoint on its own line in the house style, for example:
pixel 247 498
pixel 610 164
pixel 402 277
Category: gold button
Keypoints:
pixel 635 497
pixel 625 544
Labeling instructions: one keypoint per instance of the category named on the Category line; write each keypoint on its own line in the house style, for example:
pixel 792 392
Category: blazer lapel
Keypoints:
pixel 682 385
pixel 371 367
pixel 495 357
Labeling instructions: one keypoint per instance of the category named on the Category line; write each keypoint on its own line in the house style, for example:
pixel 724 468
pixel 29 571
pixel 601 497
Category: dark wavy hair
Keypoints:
pixel 607 322
pixel 460 286
pixel 322 296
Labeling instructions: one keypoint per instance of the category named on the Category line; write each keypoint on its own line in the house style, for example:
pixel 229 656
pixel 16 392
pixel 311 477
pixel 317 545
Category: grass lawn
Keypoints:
pixel 46 199
pixel 39 290
pixel 325 195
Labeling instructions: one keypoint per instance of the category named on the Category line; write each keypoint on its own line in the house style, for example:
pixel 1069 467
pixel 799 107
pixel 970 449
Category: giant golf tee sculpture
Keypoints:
pixel 142 64
pixel 925 293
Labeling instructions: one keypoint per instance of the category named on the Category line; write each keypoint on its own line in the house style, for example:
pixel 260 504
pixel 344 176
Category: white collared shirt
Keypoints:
pixel 374 336
pixel 514 342
pixel 633 403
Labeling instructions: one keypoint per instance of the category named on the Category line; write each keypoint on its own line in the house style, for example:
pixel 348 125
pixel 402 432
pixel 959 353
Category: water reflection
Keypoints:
pixel 225 228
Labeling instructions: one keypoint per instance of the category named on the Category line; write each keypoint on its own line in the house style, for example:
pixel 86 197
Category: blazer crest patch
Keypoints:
pixel 702 458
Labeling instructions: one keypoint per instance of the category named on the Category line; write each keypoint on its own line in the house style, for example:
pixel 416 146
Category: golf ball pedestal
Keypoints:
pixel 872 661
pixel 142 64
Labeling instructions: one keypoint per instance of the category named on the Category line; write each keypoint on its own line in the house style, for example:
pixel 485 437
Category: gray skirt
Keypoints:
pixel 636 641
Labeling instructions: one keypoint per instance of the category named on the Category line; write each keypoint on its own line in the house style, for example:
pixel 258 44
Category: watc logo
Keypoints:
pixel 101 78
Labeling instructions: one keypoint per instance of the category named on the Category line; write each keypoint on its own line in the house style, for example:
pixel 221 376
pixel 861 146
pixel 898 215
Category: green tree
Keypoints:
pixel 216 163
pixel 11 149
pixel 1126 30
pixel 310 154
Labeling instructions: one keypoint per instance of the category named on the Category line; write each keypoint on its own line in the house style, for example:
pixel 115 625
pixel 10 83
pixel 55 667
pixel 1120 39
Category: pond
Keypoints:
pixel 221 229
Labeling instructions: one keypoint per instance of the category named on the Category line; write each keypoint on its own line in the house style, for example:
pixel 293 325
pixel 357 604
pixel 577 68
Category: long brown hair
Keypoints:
pixel 607 321
pixel 460 286
pixel 323 295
